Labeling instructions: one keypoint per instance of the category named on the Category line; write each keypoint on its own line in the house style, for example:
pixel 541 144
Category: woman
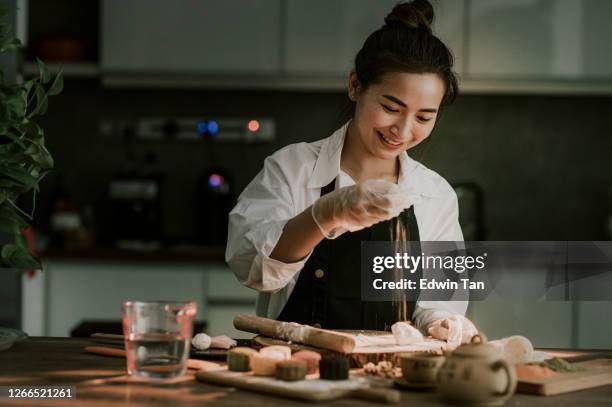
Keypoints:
pixel 288 235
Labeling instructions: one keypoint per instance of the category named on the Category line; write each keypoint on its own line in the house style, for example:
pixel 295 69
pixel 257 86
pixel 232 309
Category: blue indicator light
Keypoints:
pixel 213 127
pixel 202 128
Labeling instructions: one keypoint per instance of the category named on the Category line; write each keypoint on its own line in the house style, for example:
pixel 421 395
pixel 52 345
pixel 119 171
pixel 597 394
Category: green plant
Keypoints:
pixel 24 159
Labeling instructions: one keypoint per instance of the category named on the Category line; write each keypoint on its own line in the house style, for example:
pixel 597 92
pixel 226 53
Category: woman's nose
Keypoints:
pixel 402 130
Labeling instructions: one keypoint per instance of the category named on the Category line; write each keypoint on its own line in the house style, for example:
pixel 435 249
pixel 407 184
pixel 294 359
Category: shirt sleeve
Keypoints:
pixel 447 228
pixel 255 225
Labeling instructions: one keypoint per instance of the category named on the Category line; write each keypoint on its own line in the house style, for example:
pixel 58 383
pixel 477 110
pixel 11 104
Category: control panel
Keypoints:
pixel 243 130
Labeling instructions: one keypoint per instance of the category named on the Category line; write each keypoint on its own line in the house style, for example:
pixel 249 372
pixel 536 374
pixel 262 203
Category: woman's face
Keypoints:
pixel 396 113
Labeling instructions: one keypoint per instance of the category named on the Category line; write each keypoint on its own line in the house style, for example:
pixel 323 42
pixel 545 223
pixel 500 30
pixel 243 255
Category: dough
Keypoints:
pixel 334 367
pixel 310 357
pixel 222 342
pixel 265 365
pixel 201 341
pixel 406 334
pixel 291 370
pixel 516 349
pixel 239 359
pixel 277 351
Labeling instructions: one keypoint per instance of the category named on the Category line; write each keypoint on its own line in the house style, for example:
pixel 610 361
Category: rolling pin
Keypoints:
pixel 291 331
pixel 120 353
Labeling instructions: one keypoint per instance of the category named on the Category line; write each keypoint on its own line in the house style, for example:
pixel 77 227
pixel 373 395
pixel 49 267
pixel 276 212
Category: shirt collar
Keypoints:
pixel 327 167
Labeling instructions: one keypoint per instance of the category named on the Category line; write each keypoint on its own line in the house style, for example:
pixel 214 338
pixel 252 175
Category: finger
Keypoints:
pixel 378 213
pixel 380 201
pixel 438 332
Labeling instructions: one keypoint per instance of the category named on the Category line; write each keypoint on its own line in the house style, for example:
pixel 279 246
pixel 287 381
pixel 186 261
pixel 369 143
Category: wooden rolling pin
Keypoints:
pixel 290 331
pixel 120 353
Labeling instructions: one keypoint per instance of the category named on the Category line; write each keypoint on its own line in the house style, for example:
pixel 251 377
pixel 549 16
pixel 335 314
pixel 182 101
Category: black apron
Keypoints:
pixel 327 293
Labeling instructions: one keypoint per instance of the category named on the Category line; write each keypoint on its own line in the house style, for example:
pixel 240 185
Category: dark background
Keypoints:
pixel 543 162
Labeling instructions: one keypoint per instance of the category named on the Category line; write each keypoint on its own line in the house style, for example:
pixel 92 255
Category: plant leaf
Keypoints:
pixel 43 72
pixel 10 44
pixel 10 221
pixel 58 84
pixel 18 174
pixel 41 101
pixel 18 257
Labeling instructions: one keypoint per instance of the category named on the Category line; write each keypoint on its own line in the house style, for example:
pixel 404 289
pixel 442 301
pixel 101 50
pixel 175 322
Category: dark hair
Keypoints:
pixel 406 44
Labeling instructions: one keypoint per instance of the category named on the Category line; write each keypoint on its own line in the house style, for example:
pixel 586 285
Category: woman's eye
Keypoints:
pixel 388 109
pixel 424 119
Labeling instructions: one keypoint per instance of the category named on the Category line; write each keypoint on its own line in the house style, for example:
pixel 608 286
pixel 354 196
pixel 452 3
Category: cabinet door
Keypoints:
pixel 533 39
pixel 449 24
pixel 191 36
pixel 323 37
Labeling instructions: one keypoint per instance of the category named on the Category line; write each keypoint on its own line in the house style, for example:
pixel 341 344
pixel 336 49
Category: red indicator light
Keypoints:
pixel 253 125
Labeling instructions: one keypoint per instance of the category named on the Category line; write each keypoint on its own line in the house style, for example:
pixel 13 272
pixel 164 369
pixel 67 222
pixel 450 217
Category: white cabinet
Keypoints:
pixel 323 37
pixel 225 298
pixel 70 291
pixel 449 26
pixel 191 36
pixel 532 39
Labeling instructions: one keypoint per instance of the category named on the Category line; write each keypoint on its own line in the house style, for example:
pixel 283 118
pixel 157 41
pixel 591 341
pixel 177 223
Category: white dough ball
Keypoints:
pixel 405 334
pixel 201 341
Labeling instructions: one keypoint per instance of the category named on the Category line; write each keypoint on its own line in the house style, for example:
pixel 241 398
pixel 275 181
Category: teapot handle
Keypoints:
pixel 502 364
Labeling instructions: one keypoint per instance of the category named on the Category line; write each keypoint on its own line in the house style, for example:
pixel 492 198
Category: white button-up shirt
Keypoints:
pixel 291 181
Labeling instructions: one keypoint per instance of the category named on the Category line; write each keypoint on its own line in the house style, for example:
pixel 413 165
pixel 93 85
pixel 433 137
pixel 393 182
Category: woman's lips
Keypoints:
pixel 388 142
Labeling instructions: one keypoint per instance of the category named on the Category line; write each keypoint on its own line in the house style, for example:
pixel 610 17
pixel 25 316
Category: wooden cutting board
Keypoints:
pixel 360 356
pixel 311 389
pixel 596 372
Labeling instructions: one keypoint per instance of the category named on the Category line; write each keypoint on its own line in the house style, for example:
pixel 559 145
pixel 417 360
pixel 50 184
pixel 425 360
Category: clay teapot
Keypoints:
pixel 477 374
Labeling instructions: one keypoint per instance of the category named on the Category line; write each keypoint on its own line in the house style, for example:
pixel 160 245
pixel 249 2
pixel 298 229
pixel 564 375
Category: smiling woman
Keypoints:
pixel 295 234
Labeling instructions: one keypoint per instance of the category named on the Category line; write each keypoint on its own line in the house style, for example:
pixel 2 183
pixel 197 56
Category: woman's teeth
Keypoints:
pixel 393 143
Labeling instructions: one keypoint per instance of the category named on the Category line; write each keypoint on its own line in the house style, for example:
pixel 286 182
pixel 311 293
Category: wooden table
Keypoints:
pixel 100 381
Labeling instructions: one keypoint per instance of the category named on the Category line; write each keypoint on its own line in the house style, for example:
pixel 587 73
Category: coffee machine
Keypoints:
pixel 135 204
pixel 214 200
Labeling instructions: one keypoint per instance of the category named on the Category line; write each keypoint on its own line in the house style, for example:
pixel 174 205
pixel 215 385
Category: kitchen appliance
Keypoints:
pixel 136 209
pixel 214 201
pixel 193 129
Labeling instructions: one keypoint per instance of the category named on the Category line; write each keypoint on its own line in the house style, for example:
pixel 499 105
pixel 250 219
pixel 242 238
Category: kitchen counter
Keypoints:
pixel 186 254
pixel 100 381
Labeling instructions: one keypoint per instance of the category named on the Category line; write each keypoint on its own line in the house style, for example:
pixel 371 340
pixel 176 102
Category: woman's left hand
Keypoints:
pixel 455 330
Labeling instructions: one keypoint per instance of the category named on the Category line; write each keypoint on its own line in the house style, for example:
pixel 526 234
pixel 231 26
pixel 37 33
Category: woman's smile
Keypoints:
pixel 387 142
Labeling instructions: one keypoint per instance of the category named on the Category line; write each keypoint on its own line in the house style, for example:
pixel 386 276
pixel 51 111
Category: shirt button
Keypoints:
pixel 316 326
pixel 319 273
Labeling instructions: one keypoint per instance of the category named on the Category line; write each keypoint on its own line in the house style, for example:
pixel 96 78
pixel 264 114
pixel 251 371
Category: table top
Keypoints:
pixel 101 381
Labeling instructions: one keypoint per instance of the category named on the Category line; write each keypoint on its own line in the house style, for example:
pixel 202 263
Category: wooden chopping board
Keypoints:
pixel 360 356
pixel 310 389
pixel 594 373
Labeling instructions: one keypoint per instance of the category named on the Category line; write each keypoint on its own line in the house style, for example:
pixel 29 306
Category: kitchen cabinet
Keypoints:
pixel 323 37
pixel 72 290
pixel 191 36
pixel 532 39
pixel 225 298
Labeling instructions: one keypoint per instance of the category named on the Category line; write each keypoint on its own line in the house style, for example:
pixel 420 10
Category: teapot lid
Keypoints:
pixel 478 348
pixel 482 350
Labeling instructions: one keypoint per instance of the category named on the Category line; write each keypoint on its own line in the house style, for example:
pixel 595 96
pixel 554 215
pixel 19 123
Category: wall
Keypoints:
pixel 542 161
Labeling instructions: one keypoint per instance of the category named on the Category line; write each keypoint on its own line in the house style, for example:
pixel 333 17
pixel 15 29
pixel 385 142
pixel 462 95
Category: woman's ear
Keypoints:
pixel 353 86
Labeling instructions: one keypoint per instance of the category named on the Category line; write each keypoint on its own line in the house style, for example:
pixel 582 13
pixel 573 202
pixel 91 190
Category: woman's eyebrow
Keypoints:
pixel 399 102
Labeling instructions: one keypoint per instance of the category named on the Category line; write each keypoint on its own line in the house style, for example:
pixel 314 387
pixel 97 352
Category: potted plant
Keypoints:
pixel 24 159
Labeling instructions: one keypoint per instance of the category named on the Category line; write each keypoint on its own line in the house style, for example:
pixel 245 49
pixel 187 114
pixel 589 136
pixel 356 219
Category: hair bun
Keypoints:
pixel 416 14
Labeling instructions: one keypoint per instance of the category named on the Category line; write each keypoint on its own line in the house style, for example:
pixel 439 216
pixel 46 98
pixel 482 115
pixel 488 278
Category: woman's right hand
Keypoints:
pixel 356 207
